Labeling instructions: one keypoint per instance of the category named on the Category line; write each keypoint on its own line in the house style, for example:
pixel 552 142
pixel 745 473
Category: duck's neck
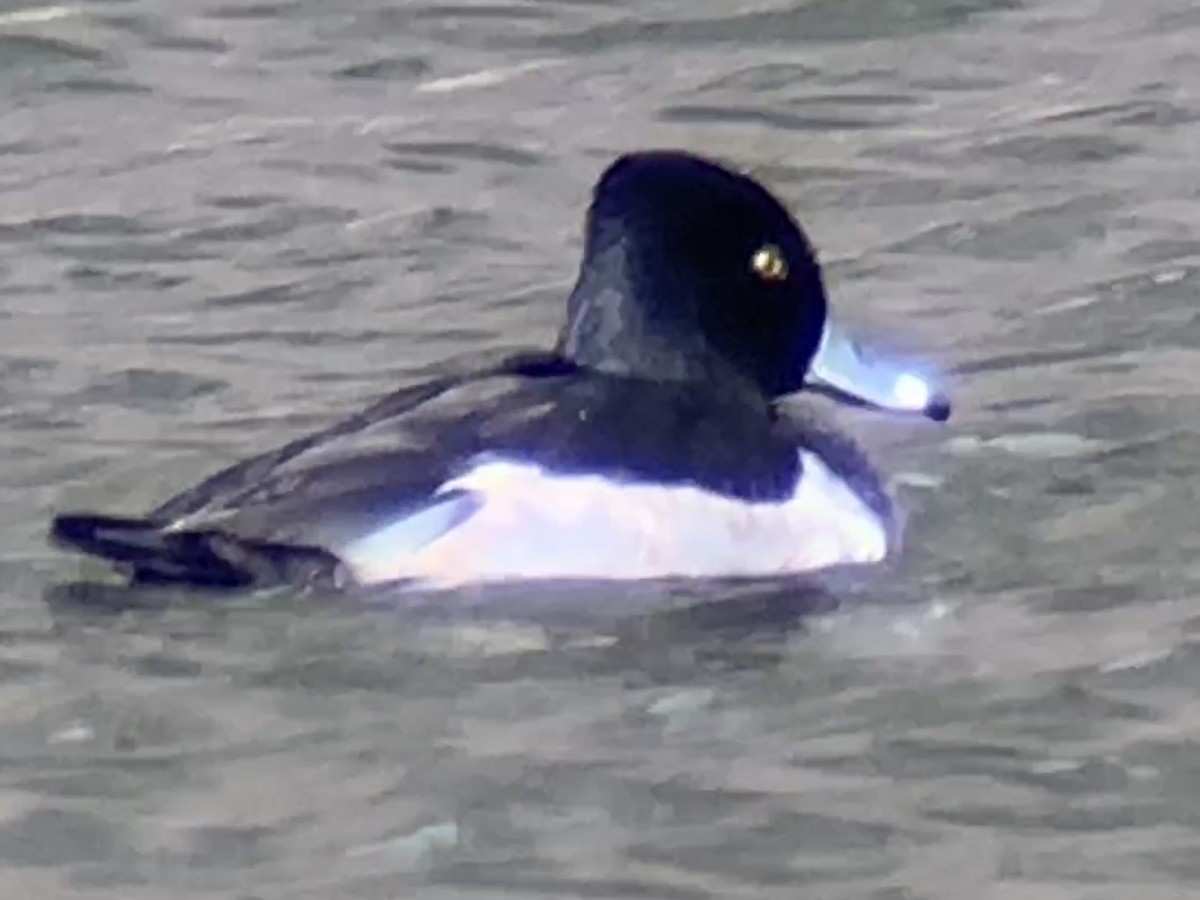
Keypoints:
pixel 619 323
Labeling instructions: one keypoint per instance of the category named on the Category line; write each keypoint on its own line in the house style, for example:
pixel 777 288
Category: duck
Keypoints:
pixel 664 435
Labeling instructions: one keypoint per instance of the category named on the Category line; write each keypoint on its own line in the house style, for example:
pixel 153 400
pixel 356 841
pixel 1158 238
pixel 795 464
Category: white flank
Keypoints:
pixel 533 525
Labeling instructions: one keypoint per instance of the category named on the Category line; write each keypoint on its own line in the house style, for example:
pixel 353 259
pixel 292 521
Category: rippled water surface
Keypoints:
pixel 223 222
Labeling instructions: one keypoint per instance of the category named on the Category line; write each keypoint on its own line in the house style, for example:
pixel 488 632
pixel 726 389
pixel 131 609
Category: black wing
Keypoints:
pixel 256 521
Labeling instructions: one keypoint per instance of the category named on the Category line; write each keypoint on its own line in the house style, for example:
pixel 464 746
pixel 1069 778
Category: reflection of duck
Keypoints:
pixel 647 444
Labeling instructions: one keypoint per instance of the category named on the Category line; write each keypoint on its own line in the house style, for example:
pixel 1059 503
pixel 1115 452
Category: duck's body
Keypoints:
pixel 648 444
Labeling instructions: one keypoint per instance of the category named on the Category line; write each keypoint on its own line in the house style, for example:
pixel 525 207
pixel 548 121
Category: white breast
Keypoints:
pixel 531 524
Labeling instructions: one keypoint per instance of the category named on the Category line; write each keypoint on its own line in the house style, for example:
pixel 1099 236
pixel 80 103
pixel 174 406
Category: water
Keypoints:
pixel 225 222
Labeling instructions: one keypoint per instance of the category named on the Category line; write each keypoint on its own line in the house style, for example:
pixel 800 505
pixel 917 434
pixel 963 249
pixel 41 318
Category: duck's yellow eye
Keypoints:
pixel 768 263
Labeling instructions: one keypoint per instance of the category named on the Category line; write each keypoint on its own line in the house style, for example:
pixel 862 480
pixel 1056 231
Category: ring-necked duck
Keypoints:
pixel 649 443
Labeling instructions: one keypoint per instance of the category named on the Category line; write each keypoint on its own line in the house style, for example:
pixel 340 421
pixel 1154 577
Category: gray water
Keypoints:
pixel 225 222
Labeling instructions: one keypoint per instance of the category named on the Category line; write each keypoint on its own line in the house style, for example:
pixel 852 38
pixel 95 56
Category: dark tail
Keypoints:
pixel 203 559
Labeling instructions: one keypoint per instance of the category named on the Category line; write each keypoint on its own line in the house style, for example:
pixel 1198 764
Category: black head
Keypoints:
pixel 694 272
